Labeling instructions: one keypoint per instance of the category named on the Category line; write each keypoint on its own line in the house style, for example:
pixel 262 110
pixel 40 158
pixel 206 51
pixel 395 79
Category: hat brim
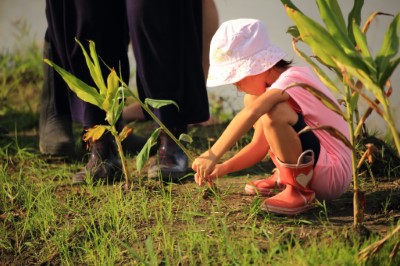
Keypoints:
pixel 229 73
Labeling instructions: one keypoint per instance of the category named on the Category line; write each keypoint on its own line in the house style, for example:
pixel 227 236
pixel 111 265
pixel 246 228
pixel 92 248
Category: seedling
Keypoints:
pixel 110 96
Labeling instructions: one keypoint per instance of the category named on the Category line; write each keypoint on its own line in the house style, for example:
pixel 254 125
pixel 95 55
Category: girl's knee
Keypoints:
pixel 281 113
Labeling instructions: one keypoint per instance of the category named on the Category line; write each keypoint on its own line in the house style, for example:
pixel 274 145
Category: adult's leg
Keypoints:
pixel 210 20
pixel 167 41
pixel 89 20
pixel 55 125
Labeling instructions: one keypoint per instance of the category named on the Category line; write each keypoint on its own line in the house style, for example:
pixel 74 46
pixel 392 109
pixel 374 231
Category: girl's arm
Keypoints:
pixel 251 154
pixel 240 124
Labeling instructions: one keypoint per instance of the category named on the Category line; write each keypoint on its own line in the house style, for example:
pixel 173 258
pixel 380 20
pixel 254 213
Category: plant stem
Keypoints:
pixel 121 155
pixel 350 120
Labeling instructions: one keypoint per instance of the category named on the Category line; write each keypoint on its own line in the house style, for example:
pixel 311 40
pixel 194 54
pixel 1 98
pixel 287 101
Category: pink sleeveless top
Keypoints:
pixel 332 173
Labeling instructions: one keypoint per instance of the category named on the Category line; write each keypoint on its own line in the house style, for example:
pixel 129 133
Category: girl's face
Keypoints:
pixel 255 85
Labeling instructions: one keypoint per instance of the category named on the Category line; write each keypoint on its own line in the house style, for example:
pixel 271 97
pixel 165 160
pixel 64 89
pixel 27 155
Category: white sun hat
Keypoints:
pixel 241 48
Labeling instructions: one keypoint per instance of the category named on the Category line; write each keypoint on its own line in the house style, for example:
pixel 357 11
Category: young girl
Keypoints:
pixel 310 165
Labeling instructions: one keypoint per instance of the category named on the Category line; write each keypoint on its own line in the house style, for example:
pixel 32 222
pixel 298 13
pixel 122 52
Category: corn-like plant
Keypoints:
pixel 344 50
pixel 110 96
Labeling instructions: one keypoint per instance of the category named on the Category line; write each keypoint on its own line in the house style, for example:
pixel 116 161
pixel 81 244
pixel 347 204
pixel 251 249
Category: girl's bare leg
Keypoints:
pixel 282 138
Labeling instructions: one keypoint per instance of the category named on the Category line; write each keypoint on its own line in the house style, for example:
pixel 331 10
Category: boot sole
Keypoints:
pixel 265 192
pixel 288 211
pixel 62 149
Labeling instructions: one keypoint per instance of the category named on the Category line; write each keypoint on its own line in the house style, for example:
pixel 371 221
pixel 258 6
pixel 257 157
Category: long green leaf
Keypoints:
pixel 98 73
pixel 156 103
pixel 390 45
pixel 354 17
pixel 94 67
pixel 320 73
pixel 321 42
pixel 361 42
pixel 390 68
pixel 322 57
pixel 290 4
pixel 83 91
pixel 331 14
pixel 337 11
pixel 120 99
pixel 144 154
pixel 112 88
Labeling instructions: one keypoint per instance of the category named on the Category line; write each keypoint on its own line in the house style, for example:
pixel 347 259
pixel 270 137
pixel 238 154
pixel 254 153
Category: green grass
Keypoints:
pixel 45 220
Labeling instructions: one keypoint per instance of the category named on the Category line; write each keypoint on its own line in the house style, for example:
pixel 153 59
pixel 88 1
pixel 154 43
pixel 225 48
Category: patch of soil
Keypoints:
pixel 382 208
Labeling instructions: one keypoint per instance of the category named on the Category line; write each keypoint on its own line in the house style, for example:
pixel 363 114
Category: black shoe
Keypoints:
pixel 104 163
pixel 171 163
pixel 133 143
pixel 55 131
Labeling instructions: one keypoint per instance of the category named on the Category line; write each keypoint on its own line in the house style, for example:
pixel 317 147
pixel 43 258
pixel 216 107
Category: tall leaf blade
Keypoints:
pixel 361 42
pixel 390 45
pixel 337 11
pixel 390 68
pixel 82 90
pixel 321 74
pixel 321 42
pixel 120 99
pixel 97 68
pixel 144 154
pixel 354 17
pixel 93 68
pixel 290 4
pixel 156 103
pixel 332 16
pixel 112 88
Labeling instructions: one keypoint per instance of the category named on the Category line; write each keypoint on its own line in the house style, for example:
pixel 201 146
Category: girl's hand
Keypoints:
pixel 216 173
pixel 203 166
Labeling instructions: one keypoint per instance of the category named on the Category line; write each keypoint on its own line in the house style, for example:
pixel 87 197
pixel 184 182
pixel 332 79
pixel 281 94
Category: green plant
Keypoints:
pixel 344 50
pixel 110 97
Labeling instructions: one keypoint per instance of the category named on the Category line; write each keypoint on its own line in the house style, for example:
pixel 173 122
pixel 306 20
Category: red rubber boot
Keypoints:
pixel 297 197
pixel 268 186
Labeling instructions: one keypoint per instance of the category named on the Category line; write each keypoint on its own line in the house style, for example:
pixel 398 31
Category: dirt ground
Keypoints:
pixel 381 194
pixel 382 206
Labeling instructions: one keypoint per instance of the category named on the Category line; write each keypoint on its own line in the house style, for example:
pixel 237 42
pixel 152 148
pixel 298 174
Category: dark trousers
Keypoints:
pixel 165 35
